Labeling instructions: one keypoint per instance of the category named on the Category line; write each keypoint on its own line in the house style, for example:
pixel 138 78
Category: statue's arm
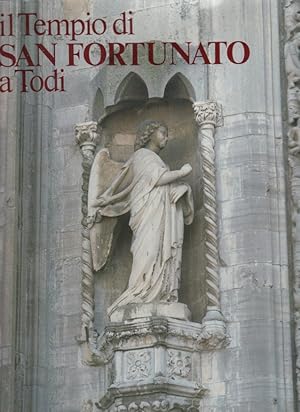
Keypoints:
pixel 117 181
pixel 123 181
pixel 169 177
pixel 107 198
pixel 173 176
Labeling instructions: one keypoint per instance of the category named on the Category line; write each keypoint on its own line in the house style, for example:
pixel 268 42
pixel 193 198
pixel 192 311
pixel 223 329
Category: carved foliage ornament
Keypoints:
pixel 87 133
pixel 208 112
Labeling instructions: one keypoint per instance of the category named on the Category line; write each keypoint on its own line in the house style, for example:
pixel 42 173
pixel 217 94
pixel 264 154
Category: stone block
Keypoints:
pixel 148 310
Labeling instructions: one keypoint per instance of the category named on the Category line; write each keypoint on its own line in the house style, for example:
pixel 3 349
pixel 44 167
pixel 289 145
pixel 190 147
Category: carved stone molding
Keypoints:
pixel 87 138
pixel 158 405
pixel 155 331
pixel 209 116
pixel 292 62
pixel 158 356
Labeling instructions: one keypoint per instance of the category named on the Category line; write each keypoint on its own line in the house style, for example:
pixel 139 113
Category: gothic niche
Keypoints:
pixel 119 131
pixel 146 289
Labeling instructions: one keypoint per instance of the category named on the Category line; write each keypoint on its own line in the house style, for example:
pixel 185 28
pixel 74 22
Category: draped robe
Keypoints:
pixel 157 227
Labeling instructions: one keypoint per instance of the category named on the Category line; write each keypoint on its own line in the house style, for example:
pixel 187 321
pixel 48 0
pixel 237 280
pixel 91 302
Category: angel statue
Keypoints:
pixel 159 204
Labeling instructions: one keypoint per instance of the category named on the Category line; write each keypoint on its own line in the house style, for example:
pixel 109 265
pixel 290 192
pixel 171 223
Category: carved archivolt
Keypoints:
pixel 292 60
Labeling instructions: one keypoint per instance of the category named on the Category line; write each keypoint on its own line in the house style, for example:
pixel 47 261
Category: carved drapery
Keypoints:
pixel 292 62
pixel 87 138
pixel 209 116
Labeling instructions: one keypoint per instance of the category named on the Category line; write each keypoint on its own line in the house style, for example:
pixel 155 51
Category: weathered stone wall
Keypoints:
pixel 253 230
pixel 8 240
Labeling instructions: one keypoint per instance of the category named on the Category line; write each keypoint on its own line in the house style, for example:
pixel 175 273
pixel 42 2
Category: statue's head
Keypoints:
pixel 151 130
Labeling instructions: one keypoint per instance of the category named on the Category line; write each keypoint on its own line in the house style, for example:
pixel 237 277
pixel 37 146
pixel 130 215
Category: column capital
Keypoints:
pixel 87 134
pixel 208 112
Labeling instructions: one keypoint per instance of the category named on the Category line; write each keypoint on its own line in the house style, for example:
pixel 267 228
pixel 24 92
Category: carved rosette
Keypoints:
pixel 292 63
pixel 87 138
pixel 138 365
pixel 209 116
pixel 179 364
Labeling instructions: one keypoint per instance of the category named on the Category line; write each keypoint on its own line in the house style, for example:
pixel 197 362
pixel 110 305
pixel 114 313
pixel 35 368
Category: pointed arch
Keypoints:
pixel 179 87
pixel 132 88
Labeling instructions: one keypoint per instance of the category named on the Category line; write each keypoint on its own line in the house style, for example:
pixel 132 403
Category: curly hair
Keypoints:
pixel 145 131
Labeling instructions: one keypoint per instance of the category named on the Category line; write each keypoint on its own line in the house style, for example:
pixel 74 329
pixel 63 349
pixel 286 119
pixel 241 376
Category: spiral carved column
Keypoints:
pixel 209 116
pixel 87 137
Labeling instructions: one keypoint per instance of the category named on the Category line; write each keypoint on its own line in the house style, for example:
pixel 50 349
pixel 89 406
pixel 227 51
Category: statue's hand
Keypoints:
pixel 102 201
pixel 177 192
pixel 186 169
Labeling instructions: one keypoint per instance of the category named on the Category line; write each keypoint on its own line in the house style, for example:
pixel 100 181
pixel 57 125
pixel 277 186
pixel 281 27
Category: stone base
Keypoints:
pixel 135 311
pixel 154 361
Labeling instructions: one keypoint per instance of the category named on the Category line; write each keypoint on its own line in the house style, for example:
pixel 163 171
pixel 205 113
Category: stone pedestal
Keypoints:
pixel 155 363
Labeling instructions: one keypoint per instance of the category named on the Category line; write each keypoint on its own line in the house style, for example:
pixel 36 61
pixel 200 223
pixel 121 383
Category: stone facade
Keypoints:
pixel 59 351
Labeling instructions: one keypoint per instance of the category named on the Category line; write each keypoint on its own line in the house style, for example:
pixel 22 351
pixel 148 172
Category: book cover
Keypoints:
pixel 149 161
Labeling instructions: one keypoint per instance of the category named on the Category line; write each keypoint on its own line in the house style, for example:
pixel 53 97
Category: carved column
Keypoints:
pixel 209 116
pixel 87 137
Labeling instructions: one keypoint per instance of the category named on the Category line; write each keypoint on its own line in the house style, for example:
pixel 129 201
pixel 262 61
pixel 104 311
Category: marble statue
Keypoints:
pixel 159 203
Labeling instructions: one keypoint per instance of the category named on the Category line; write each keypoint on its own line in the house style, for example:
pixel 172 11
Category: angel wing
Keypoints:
pixel 105 174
